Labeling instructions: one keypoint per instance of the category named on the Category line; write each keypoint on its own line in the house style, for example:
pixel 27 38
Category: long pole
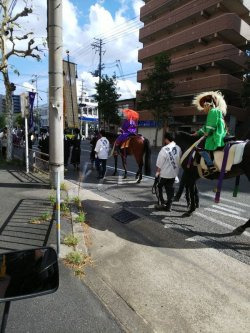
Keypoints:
pixel 26 143
pixel 58 215
pixel 55 44
pixel 70 85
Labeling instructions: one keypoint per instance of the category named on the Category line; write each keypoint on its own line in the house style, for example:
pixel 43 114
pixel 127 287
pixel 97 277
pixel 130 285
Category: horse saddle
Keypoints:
pixel 235 155
pixel 125 144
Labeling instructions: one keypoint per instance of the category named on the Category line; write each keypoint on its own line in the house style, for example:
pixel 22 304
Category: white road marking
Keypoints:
pixel 224 199
pixel 226 209
pixel 235 208
pixel 223 224
pixel 225 214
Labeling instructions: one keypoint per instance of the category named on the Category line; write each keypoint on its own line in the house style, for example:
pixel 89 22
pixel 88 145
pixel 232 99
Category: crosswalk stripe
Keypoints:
pixel 235 208
pixel 226 209
pixel 224 199
pixel 226 214
pixel 223 224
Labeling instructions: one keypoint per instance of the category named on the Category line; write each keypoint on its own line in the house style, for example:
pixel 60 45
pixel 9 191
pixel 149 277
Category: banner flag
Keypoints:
pixel 70 95
pixel 32 96
pixel 24 104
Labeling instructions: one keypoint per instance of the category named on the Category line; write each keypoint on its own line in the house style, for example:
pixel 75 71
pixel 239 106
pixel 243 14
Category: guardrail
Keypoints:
pixel 38 161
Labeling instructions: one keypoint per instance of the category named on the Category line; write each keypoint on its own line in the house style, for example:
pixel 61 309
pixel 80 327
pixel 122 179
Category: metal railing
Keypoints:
pixel 38 161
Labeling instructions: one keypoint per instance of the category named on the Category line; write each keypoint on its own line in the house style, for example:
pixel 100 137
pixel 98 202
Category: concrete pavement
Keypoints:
pixel 74 307
pixel 148 277
pixel 153 279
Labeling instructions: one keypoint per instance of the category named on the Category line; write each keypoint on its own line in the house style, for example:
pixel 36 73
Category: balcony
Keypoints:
pixel 152 8
pixel 224 56
pixel 228 27
pixel 175 18
pixel 224 82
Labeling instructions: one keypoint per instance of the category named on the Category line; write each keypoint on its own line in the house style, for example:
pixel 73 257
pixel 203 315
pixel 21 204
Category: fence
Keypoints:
pixel 38 161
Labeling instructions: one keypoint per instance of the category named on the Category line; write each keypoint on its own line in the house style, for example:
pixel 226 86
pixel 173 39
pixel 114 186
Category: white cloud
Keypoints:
pixel 127 88
pixel 137 4
pixel 120 41
pixel 119 35
pixel 28 86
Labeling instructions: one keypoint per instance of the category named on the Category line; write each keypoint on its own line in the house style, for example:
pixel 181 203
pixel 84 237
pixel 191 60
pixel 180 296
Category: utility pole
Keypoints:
pixel 97 45
pixel 56 149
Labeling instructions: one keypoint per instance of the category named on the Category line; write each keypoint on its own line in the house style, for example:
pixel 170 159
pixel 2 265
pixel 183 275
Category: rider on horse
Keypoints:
pixel 129 126
pixel 214 130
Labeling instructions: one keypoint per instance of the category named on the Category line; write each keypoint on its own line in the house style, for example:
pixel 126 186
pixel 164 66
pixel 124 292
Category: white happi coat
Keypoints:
pixel 168 160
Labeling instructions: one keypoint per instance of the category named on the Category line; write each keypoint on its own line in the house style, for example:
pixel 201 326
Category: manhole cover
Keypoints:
pixel 125 216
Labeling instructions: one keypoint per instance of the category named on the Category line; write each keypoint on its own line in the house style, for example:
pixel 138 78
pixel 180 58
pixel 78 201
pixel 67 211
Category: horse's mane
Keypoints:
pixel 184 140
pixel 246 136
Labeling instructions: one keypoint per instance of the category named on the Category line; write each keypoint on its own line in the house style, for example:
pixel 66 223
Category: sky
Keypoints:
pixel 116 22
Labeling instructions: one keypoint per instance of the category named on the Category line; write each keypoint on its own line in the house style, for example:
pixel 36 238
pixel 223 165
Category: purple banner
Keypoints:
pixel 32 96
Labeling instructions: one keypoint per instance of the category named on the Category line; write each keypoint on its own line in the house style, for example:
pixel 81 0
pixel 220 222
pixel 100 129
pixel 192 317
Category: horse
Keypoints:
pixel 139 147
pixel 185 140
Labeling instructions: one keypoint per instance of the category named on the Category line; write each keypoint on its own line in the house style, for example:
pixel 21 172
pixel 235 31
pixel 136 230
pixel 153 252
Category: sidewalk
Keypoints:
pixel 150 278
pixel 74 307
pixel 154 280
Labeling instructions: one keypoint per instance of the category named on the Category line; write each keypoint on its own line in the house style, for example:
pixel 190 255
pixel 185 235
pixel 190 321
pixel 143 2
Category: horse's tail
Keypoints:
pixel 147 157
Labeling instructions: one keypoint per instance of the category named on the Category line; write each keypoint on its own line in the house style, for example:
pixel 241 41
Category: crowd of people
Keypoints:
pixel 212 103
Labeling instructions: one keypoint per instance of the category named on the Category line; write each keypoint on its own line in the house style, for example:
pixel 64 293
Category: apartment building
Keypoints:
pixel 16 103
pixel 207 42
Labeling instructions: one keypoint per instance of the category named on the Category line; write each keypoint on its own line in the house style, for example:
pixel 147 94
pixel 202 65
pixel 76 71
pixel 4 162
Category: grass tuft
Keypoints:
pixel 70 240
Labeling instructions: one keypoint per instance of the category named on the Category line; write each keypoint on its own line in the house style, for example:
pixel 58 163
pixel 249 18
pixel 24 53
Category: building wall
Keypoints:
pixel 206 41
pixel 16 103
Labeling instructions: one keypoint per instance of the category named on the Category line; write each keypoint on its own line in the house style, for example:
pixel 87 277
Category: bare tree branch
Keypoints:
pixel 25 12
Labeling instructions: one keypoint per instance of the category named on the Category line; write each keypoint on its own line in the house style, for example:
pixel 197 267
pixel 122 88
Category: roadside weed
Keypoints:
pixel 70 240
pixel 46 216
pixel 81 218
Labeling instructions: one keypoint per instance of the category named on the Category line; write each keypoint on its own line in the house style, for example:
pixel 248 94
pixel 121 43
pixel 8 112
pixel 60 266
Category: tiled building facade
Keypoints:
pixel 207 42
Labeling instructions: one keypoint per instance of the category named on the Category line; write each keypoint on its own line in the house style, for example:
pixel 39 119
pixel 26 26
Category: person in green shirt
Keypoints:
pixel 214 129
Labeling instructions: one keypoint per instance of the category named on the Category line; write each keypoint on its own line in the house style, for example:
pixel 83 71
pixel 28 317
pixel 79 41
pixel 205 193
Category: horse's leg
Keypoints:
pixel 115 159
pixel 139 160
pixel 239 230
pixel 139 178
pixel 187 195
pixel 192 207
pixel 124 164
pixel 196 196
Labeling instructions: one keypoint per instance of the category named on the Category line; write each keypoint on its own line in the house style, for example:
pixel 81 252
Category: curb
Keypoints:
pixel 77 228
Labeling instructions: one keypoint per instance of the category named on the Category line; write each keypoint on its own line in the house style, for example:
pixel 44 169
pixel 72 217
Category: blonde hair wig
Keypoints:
pixel 214 98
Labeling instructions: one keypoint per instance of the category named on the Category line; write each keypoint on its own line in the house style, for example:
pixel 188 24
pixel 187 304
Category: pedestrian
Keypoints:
pixel 43 144
pixel 67 144
pixel 4 140
pixel 31 139
pixel 93 142
pixel 167 169
pixel 214 130
pixel 76 151
pixel 102 152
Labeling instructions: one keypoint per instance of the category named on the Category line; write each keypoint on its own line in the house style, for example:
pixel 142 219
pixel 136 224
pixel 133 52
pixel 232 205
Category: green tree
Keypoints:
pixel 107 96
pixel 2 120
pixel 157 96
pixel 11 33
pixel 19 120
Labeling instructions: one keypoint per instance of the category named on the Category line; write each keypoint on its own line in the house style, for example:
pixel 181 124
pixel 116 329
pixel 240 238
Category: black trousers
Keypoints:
pixel 168 184
pixel 101 167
